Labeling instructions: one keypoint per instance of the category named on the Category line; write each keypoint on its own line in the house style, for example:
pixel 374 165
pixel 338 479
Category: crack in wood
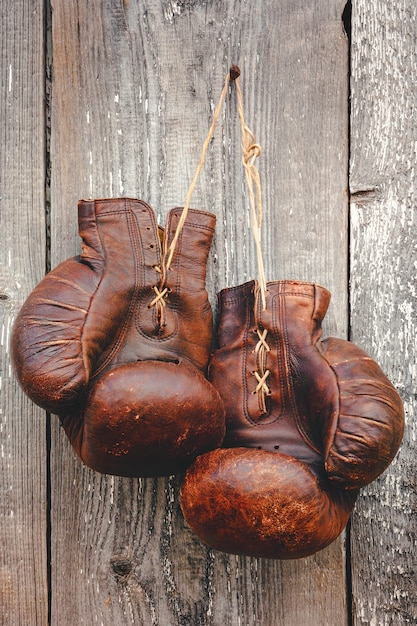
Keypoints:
pixel 361 196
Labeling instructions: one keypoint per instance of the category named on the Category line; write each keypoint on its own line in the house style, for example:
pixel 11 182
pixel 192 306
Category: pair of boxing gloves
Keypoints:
pixel 275 443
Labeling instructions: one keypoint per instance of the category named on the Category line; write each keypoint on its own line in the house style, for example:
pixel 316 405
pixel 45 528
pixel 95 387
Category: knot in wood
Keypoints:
pixel 121 565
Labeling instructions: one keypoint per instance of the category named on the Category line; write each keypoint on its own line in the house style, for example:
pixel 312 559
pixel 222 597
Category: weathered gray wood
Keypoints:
pixel 133 90
pixel 383 292
pixel 23 460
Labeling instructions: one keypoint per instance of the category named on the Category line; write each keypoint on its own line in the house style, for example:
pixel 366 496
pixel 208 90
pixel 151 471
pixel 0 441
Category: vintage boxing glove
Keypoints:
pixel 308 423
pixel 117 345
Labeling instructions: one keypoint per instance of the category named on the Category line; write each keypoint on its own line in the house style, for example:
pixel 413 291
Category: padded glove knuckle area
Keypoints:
pixel 369 422
pixel 259 503
pixel 150 417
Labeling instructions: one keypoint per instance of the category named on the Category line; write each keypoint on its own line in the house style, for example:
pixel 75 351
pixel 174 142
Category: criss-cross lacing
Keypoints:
pixel 261 374
pixel 159 301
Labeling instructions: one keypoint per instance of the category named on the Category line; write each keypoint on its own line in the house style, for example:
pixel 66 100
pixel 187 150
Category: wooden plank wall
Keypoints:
pixel 133 87
pixel 383 256
pixel 23 445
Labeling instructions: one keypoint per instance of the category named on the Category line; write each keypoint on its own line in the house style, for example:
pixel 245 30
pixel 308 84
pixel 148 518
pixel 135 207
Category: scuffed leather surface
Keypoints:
pixel 89 323
pixel 333 422
pixel 261 503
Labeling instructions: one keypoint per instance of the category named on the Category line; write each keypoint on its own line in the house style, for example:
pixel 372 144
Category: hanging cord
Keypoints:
pixel 198 172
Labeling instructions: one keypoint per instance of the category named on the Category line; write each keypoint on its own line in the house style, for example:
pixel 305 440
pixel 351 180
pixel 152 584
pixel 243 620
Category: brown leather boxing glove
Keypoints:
pixel 308 422
pixel 117 345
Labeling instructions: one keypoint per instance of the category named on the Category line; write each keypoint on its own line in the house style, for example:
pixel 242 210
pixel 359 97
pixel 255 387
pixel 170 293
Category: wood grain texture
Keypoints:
pixel 383 293
pixel 133 91
pixel 23 460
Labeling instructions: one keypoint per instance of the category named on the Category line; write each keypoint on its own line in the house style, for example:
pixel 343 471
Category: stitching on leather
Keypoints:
pixel 290 384
pixel 89 372
pixel 200 226
pixel 197 211
pixel 122 333
pixel 277 314
pixel 300 294
pixel 127 206
pixel 246 344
